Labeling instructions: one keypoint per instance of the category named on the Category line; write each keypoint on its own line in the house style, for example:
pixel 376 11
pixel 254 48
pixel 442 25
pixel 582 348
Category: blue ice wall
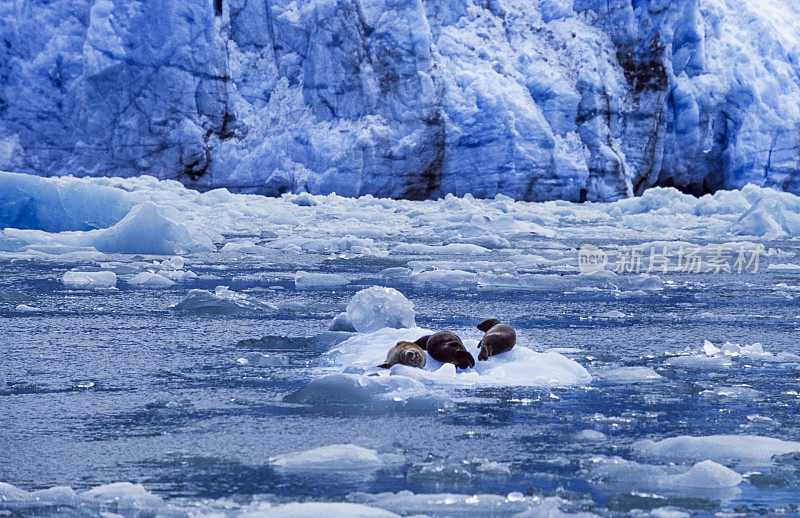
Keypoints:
pixel 546 99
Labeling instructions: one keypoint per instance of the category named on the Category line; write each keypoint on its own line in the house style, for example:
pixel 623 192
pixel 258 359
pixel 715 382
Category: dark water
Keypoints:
pixel 107 386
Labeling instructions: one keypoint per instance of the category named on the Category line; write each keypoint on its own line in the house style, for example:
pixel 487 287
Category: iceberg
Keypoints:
pixel 376 308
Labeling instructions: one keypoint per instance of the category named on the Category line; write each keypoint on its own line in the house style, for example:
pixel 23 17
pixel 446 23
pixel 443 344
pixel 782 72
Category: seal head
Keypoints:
pixel 405 353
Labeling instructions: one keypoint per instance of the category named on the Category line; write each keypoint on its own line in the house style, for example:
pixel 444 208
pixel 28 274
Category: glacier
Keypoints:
pixel 556 99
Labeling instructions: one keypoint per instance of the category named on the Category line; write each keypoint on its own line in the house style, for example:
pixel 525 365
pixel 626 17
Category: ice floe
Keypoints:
pixel 357 393
pixel 222 301
pixel 318 281
pixel 335 457
pixel 144 230
pixel 744 450
pixel 712 357
pixel 618 472
pixel 454 504
pixel 150 280
pixel 624 375
pixel 521 366
pixel 79 279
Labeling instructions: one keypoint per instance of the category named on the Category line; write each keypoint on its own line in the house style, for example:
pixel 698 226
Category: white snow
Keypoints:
pixel 335 457
pixel 746 450
pixel 77 279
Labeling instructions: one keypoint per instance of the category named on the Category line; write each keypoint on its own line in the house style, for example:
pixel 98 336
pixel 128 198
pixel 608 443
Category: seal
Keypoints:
pixel 446 347
pixel 499 338
pixel 405 353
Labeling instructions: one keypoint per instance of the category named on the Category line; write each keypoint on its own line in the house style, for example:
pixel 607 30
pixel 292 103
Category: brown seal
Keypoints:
pixel 499 338
pixel 405 353
pixel 446 347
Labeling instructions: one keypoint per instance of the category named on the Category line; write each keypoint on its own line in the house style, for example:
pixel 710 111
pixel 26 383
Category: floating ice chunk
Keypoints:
pixel 263 360
pixel 340 392
pixel 318 281
pixel 626 375
pixel 178 275
pixel 14 296
pixel 124 495
pixel 450 249
pixel 629 475
pixel 222 301
pixel 305 200
pixel 612 314
pixel 247 247
pixel 59 204
pixel 24 308
pixel 144 230
pixel 377 307
pixel 150 280
pixel 314 509
pixel 520 366
pixel 709 348
pixel 102 279
pixel 9 493
pixel 342 323
pixel 589 436
pixel 452 278
pixel 336 457
pixel 742 449
pixel 453 504
pixel 706 474
pixel 714 357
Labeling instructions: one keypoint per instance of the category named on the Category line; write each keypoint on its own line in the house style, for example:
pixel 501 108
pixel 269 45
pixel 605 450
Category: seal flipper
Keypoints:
pixel 488 324
pixel 464 360
pixel 384 366
pixel 422 342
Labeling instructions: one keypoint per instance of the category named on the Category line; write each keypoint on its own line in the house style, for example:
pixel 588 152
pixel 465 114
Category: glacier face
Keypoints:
pixel 553 99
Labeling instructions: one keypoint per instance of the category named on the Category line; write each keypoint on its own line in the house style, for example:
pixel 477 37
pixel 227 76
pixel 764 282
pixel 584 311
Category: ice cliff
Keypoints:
pixel 545 99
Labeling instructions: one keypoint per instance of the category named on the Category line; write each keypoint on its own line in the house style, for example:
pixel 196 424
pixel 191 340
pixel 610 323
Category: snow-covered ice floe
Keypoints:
pixel 744 450
pixel 521 366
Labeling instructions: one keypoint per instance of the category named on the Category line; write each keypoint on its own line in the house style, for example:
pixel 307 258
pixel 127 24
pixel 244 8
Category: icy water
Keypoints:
pixel 104 385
